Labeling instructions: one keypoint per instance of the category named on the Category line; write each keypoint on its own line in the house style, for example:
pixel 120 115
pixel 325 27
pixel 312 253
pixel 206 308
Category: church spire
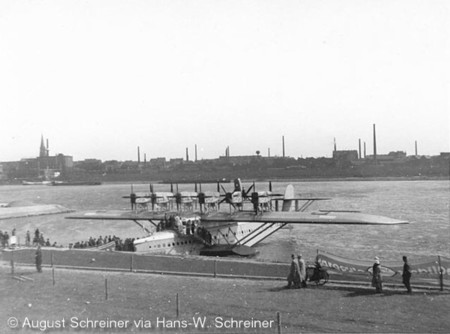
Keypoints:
pixel 42 150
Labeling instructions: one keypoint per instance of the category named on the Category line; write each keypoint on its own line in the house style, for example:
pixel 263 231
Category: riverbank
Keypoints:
pixel 139 299
pixel 139 180
pixel 356 179
pixel 9 211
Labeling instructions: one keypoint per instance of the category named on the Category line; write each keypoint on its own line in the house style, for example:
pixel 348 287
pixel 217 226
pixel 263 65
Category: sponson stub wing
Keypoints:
pixel 118 215
pixel 329 217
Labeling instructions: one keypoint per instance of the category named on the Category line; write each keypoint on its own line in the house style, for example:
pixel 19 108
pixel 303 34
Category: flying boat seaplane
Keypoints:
pixel 218 233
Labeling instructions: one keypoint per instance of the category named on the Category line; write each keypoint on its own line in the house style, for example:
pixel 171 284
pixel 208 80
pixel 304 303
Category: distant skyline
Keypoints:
pixel 100 78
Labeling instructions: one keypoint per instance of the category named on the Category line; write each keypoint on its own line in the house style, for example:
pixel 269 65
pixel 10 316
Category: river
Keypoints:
pixel 426 204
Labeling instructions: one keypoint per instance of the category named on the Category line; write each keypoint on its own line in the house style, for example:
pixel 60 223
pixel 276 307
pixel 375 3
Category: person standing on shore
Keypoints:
pixel 28 239
pixel 406 274
pixel 39 259
pixel 376 276
pixel 294 274
pixel 302 271
pixel 6 239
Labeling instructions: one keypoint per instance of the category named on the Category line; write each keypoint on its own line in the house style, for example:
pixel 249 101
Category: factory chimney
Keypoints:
pixel 268 152
pixel 374 144
pixel 139 154
pixel 335 149
pixel 416 147
pixel 359 150
pixel 187 154
pixel 284 152
pixel 365 150
pixel 48 150
pixel 195 152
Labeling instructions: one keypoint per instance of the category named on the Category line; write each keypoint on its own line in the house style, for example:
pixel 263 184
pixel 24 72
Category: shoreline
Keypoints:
pixel 188 265
pixel 276 179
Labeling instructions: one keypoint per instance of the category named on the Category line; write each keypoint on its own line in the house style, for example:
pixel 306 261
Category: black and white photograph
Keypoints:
pixel 224 166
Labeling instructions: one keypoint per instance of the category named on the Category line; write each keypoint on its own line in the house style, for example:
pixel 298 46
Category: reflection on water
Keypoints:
pixel 424 203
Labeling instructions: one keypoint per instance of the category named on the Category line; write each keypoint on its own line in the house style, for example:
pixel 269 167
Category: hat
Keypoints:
pixel 377 260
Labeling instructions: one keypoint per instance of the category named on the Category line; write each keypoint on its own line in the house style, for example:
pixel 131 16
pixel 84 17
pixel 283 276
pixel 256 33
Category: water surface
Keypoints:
pixel 424 203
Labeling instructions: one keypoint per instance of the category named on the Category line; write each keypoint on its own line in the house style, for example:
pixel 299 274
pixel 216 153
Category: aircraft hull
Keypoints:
pixel 223 240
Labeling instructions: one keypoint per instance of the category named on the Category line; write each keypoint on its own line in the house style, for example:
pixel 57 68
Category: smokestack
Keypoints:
pixel 139 155
pixel 334 144
pixel 195 152
pixel 145 158
pixel 416 147
pixel 48 151
pixel 359 151
pixel 374 143
pixel 365 150
pixel 283 148
pixel 268 152
pixel 187 154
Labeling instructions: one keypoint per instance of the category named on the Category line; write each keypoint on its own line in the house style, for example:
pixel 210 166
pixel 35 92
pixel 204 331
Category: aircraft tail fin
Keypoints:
pixel 289 196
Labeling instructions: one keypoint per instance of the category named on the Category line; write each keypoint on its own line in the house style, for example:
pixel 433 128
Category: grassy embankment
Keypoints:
pixel 133 297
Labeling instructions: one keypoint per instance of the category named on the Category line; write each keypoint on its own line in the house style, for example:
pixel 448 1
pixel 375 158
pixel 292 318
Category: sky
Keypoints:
pixel 100 78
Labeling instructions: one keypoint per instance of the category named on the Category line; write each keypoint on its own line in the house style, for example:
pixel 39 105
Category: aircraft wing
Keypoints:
pixel 118 215
pixel 329 217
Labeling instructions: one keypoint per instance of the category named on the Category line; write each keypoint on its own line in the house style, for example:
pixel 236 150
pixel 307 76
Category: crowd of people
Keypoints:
pixel 377 281
pixel 126 245
pixel 184 226
pixel 297 274
pixel 4 239
pixel 38 239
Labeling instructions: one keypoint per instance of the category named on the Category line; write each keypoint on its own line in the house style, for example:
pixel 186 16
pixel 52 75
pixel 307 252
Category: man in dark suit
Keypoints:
pixel 406 274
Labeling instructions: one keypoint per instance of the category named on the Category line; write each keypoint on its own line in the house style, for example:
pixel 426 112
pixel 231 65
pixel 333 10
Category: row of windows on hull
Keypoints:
pixel 178 243
pixel 171 244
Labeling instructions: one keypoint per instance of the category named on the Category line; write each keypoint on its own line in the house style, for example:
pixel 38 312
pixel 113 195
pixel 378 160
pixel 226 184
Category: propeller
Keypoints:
pixel 200 195
pixel 227 197
pixel 256 198
pixel 255 201
pixel 178 200
pixel 245 193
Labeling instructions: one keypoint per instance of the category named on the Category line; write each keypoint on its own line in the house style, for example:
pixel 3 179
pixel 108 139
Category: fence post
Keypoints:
pixel 215 268
pixel 279 322
pixel 51 258
pixel 178 306
pixel 12 263
pixel 441 274
pixel 106 288
pixel 131 265
pixel 53 275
